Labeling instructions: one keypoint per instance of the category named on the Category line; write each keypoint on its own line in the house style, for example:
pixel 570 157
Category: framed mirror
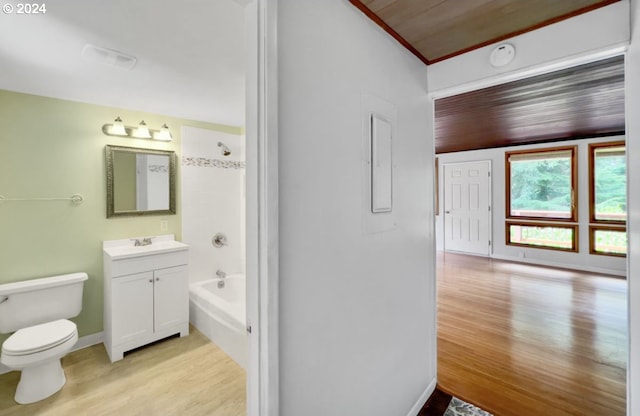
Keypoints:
pixel 140 181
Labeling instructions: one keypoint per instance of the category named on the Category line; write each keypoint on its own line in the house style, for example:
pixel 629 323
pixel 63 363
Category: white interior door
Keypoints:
pixel 467 207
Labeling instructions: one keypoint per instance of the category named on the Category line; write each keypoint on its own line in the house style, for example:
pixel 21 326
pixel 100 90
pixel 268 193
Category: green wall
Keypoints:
pixel 55 148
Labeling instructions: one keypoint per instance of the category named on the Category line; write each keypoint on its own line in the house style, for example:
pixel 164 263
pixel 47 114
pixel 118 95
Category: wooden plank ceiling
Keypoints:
pixel 435 30
pixel 579 102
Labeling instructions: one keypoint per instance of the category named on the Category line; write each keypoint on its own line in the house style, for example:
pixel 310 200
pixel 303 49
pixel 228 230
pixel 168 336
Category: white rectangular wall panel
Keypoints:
pixel 381 165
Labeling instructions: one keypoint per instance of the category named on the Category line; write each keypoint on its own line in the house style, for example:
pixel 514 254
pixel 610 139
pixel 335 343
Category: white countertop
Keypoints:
pixel 122 249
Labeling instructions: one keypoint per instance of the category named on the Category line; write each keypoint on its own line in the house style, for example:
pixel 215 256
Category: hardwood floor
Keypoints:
pixel 180 376
pixel 520 340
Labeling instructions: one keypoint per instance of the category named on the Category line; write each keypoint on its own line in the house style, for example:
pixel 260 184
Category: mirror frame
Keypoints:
pixel 109 157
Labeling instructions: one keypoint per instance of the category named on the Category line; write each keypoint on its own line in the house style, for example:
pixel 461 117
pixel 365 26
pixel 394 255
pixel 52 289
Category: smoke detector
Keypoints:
pixel 108 57
pixel 502 55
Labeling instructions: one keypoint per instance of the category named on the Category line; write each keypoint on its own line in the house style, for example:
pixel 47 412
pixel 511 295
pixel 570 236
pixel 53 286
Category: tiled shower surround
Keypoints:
pixel 212 201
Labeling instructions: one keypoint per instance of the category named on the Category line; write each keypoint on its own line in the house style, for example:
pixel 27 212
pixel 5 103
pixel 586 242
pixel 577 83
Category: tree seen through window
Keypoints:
pixel 541 184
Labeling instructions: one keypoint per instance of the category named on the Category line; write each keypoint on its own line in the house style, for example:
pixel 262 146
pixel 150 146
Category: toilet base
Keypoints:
pixel 39 382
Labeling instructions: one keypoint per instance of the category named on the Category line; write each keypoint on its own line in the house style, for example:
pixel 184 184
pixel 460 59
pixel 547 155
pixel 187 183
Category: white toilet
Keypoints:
pixel 37 310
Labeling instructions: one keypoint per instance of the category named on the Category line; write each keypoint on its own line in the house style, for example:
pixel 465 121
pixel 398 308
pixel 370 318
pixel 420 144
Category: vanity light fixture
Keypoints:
pixel 117 128
pixel 140 132
pixel 164 134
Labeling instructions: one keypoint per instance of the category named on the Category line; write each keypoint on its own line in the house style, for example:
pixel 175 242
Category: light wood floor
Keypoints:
pixel 180 376
pixel 520 340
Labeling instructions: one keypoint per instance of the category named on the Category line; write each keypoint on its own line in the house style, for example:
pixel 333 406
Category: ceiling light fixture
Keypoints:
pixel 142 131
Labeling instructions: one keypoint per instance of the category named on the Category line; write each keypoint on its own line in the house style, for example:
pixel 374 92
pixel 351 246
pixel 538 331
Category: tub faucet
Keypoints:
pixel 221 274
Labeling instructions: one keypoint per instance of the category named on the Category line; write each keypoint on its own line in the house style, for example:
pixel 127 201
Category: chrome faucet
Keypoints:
pixel 144 242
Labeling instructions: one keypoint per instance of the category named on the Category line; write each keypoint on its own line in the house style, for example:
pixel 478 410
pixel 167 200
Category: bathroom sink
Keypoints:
pixel 126 248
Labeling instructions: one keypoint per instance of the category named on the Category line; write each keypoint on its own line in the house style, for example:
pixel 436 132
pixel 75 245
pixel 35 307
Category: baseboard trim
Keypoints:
pixel 83 342
pixel 570 266
pixel 423 398
pixel 89 341
pixel 601 270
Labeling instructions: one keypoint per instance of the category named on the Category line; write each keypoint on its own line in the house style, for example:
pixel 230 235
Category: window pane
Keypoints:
pixel 610 241
pixel 610 183
pixel 541 184
pixel 531 235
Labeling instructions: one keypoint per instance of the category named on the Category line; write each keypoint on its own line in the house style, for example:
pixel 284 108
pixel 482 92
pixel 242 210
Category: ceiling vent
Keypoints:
pixel 108 57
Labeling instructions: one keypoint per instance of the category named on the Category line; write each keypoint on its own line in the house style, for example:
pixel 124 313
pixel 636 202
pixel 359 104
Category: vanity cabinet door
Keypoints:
pixel 171 306
pixel 132 307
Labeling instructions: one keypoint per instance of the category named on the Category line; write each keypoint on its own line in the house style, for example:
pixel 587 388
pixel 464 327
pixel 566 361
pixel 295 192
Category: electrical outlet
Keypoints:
pixel 164 225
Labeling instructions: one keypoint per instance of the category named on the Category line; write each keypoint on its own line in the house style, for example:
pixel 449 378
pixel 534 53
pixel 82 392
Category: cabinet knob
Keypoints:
pixel 157 279
pixel 150 280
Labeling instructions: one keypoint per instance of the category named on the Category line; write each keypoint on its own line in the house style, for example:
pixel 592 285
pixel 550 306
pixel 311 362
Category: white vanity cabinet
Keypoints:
pixel 146 295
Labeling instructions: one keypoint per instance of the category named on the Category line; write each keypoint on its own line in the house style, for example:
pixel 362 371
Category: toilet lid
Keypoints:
pixel 39 337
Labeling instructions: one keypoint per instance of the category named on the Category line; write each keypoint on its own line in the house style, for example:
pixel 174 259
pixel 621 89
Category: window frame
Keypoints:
pixel 574 243
pixel 592 182
pixel 574 184
pixel 596 224
pixel 592 239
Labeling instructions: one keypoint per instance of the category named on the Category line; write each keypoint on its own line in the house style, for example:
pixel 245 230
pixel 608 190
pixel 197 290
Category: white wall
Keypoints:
pixel 581 260
pixel 632 76
pixel 212 201
pixel 357 309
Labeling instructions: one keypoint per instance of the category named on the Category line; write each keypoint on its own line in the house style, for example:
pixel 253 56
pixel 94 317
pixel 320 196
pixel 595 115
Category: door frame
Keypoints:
pixel 490 213
pixel 262 244
pixel 544 67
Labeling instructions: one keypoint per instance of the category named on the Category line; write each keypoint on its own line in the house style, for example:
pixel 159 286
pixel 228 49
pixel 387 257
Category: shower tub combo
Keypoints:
pixel 217 309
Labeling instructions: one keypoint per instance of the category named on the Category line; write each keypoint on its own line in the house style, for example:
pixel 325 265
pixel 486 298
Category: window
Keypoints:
pixel 608 240
pixel 542 184
pixel 557 237
pixel 608 198
pixel 541 189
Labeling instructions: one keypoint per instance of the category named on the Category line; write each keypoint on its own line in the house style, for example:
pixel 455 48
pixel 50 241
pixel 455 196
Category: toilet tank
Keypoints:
pixel 36 301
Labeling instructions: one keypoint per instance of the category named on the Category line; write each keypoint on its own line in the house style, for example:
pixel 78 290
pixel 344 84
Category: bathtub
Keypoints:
pixel 220 314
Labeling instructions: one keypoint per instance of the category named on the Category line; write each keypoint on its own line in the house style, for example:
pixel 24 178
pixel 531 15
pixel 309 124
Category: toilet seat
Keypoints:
pixel 37 338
